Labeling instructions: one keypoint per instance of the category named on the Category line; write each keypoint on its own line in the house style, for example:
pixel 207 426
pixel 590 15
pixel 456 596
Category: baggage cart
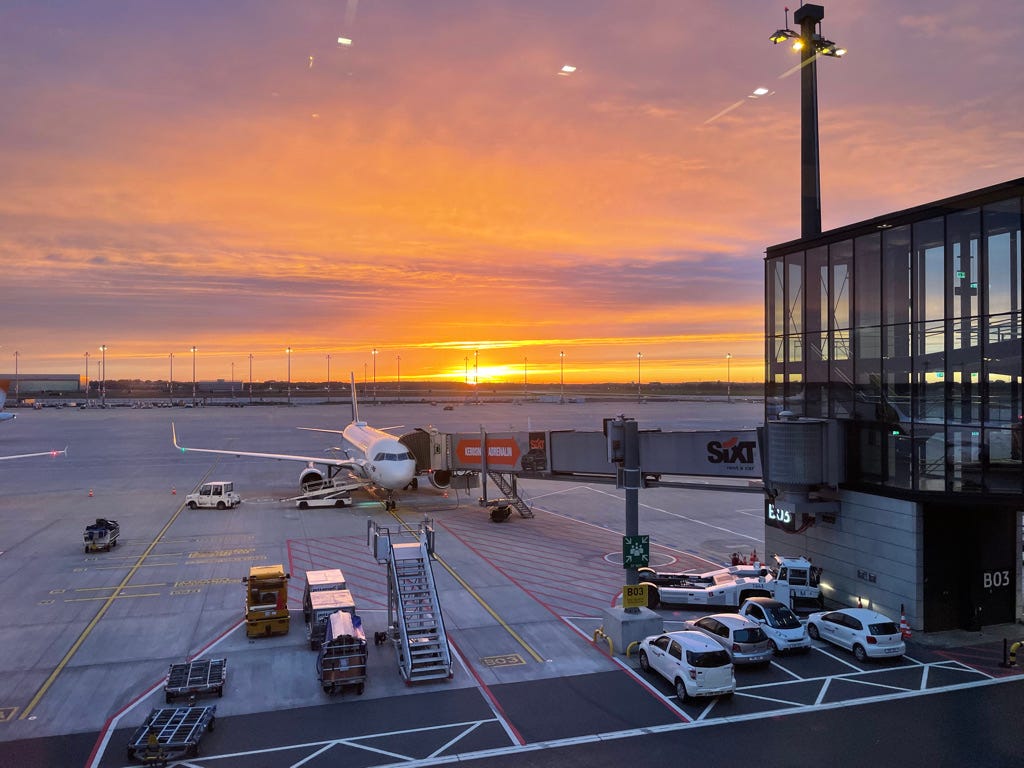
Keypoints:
pixel 320 581
pixel 101 535
pixel 342 659
pixel 169 733
pixel 322 606
pixel 196 678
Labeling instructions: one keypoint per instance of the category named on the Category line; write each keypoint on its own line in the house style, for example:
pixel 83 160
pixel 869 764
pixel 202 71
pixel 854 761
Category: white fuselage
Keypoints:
pixel 388 463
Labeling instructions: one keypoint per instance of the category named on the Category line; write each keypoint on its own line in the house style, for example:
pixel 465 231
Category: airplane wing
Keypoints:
pixel 30 455
pixel 352 464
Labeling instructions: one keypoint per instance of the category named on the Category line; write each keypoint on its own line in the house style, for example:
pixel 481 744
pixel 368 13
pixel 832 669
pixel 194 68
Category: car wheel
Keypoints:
pixel 645 664
pixel 812 630
pixel 681 693
pixel 858 652
pixel 221 505
pixel 191 505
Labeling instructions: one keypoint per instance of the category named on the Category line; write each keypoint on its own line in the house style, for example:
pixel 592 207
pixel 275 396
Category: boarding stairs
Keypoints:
pixel 415 622
pixel 506 482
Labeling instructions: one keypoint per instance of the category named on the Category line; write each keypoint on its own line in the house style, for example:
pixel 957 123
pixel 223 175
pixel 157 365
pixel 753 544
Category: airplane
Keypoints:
pixel 4 416
pixel 385 463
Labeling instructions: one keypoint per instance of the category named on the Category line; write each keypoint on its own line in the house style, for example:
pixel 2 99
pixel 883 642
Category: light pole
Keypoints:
pixel 399 358
pixel 476 374
pixel 328 378
pixel 810 43
pixel 288 352
pixel 232 379
pixel 87 378
pixel 193 350
pixel 524 377
pixel 374 353
pixel 103 376
pixel 639 355
pixel 250 377
pixel 728 377
pixel 466 361
pixel 17 380
pixel 561 377
pixel 170 378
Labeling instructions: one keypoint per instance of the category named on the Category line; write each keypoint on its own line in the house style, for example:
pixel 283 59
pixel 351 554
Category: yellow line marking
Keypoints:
pixel 108 601
pixel 130 586
pixel 109 597
pixel 483 604
pixel 7 714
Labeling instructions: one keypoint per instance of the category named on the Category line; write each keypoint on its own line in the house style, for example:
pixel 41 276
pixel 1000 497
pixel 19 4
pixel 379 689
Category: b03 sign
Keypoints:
pixel 634 596
pixel 995 579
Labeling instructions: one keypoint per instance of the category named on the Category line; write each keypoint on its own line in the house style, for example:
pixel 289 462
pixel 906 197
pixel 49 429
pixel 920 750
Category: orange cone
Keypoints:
pixel 174 491
pixel 753 556
pixel 859 603
pixel 90 493
pixel 904 627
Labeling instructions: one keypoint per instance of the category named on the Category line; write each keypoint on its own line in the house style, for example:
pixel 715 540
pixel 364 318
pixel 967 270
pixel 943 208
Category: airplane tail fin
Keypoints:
pixel 355 402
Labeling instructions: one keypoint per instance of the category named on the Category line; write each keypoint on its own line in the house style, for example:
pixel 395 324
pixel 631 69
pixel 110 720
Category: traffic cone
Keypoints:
pixel 753 556
pixel 904 627
pixel 90 493
pixel 174 491
pixel 859 603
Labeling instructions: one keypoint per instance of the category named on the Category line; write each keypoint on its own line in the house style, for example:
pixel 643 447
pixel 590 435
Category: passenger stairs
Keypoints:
pixel 415 622
pixel 506 481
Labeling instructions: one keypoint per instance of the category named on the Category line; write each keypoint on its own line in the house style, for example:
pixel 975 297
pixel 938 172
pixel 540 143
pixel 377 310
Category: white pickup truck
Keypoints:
pixel 793 582
pixel 218 494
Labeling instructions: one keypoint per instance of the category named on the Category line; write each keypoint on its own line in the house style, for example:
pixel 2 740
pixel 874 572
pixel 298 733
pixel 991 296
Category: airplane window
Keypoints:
pixel 379 457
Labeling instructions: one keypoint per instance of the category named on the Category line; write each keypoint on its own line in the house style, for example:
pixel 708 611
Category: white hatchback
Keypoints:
pixel 784 630
pixel 867 633
pixel 695 665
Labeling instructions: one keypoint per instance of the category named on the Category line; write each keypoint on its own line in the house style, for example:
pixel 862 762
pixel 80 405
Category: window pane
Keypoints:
pixel 777 295
pixel 896 274
pixel 868 280
pixel 929 270
pixel 795 293
pixel 817 289
pixel 963 232
pixel 841 258
pixel 1002 223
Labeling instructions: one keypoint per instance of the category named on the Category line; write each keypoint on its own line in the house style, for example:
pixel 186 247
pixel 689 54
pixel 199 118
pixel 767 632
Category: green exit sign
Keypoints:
pixel 636 551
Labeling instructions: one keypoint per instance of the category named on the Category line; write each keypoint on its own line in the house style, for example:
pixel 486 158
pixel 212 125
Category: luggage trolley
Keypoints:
pixel 342 658
pixel 196 678
pixel 169 733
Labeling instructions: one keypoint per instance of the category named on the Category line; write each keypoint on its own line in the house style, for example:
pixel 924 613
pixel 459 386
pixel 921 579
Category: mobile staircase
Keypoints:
pixel 506 482
pixel 415 623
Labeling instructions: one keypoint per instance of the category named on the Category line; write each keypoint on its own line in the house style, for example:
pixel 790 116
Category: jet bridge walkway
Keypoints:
pixel 415 622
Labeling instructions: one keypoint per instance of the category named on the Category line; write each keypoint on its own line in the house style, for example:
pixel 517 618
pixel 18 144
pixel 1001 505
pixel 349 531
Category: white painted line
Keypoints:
pixel 706 711
pixel 768 698
pixel 821 693
pixel 787 671
pixel 924 679
pixel 836 658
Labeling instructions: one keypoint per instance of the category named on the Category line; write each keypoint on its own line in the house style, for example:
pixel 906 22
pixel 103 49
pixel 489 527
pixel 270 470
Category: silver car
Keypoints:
pixel 744 639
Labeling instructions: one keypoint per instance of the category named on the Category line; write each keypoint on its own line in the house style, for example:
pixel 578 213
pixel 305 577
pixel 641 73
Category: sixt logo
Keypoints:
pixel 732 451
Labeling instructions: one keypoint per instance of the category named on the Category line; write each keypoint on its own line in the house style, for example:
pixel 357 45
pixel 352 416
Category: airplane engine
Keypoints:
pixel 440 479
pixel 310 476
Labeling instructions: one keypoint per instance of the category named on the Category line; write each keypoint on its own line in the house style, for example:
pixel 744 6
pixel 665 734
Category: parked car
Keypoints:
pixel 867 633
pixel 784 630
pixel 694 664
pixel 742 638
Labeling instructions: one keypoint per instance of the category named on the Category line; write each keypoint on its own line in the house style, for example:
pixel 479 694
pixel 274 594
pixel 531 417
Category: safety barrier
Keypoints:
pixel 1011 660
pixel 599 632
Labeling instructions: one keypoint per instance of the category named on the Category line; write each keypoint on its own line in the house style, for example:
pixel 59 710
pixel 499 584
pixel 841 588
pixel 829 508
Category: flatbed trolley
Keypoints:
pixel 195 678
pixel 169 733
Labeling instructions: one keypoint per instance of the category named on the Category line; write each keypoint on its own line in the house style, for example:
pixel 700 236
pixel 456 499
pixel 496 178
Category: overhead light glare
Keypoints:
pixel 798 44
pixel 567 70
pixel 782 35
pixel 344 41
pixel 761 91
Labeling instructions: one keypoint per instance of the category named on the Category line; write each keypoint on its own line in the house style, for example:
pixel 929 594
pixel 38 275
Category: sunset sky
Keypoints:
pixel 228 175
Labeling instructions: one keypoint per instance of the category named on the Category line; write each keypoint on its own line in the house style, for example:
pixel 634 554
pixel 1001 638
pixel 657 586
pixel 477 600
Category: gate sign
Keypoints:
pixel 636 551
pixel 503 452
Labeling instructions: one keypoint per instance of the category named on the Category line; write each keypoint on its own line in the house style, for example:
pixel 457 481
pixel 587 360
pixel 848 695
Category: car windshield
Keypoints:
pixel 707 659
pixel 781 617
pixel 883 628
pixel 752 635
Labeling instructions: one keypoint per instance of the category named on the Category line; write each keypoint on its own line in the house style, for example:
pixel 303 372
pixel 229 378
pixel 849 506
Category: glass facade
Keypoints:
pixel 908 328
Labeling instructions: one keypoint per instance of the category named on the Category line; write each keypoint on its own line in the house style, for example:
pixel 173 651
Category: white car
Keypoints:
pixel 867 633
pixel 784 630
pixel 694 664
pixel 743 639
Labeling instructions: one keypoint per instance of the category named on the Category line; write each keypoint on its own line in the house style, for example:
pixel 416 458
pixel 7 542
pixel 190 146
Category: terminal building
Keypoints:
pixel 893 409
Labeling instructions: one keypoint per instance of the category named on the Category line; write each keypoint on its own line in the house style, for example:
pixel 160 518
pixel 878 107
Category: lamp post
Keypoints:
pixel 476 374
pixel 193 350
pixel 87 378
pixel 374 353
pixel 103 376
pixel 639 355
pixel 810 43
pixel 524 377
pixel 328 378
pixel 399 359
pixel 561 377
pixel 728 377
pixel 17 380
pixel 288 352
pixel 232 379
pixel 250 377
pixel 170 378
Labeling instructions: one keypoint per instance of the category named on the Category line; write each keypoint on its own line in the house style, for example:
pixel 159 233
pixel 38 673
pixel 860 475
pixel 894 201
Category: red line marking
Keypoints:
pixel 487 692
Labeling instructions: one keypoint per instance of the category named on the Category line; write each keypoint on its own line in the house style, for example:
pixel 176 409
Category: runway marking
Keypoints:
pixel 7 714
pixel 109 597
pixel 98 589
pixel 504 660
pixel 108 602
